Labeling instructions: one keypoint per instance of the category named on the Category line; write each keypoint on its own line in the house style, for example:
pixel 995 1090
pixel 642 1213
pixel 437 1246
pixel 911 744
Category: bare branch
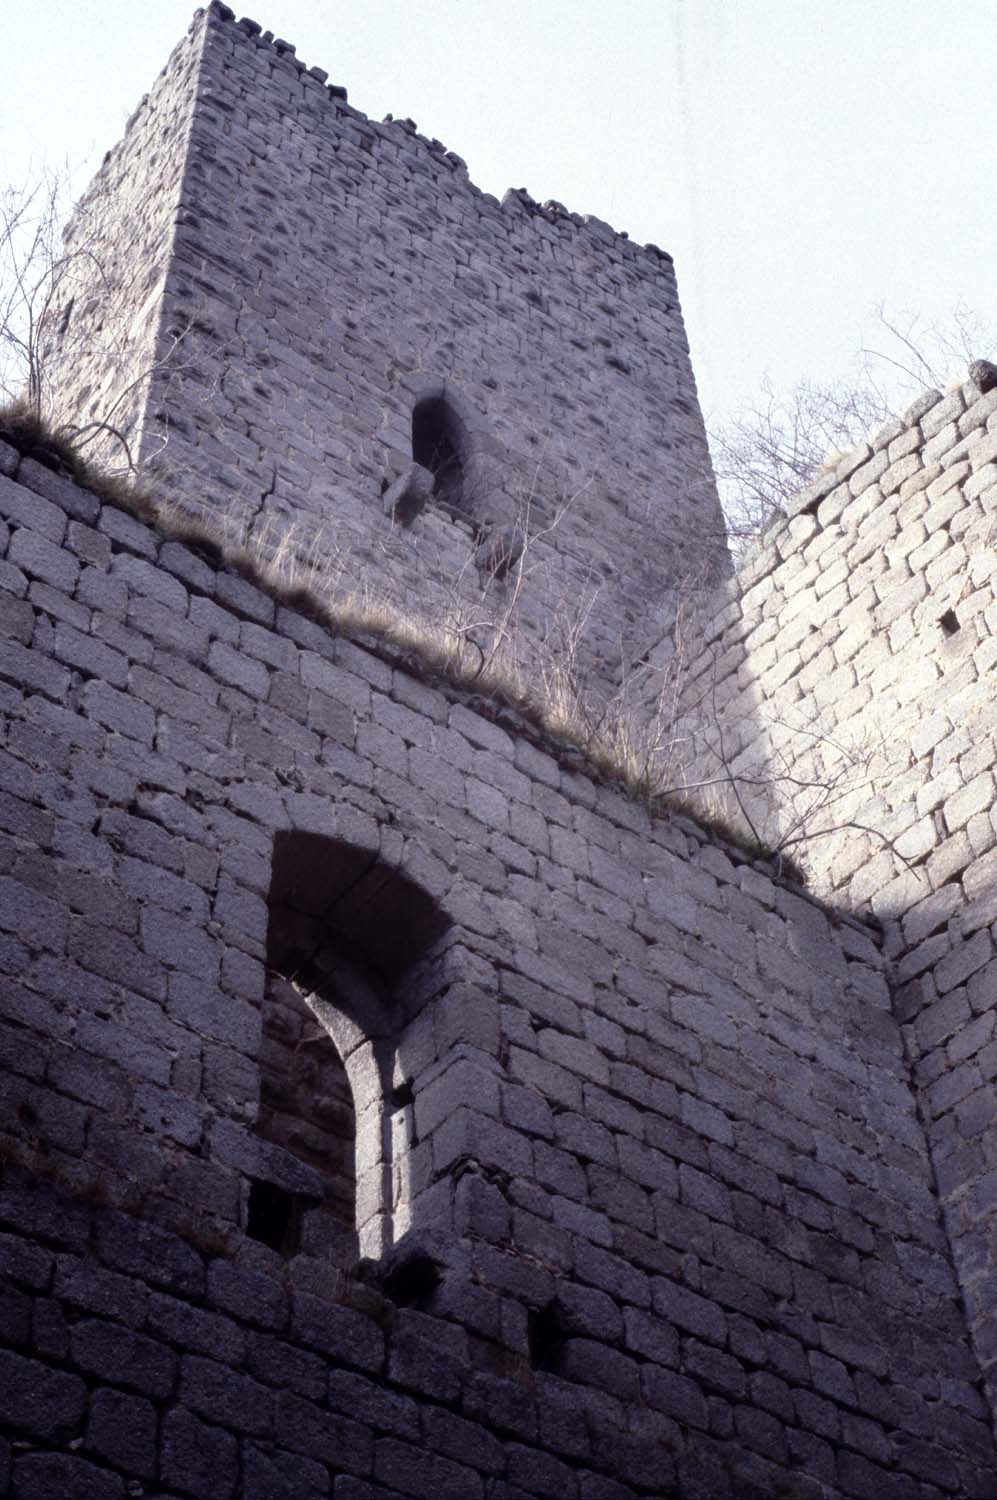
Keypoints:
pixel 772 446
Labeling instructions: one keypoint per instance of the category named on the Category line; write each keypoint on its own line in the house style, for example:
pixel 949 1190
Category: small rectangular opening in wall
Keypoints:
pixel 402 1094
pixel 413 1282
pixel 949 622
pixel 275 1216
pixel 547 1334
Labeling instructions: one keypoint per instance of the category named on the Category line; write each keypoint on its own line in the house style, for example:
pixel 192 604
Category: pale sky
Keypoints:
pixel 802 160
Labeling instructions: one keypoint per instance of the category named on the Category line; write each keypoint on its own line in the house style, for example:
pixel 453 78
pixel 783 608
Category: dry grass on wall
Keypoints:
pixel 644 750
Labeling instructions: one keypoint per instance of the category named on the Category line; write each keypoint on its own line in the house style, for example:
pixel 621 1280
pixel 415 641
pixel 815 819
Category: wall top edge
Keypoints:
pixel 35 468
pixel 514 200
pixel 854 472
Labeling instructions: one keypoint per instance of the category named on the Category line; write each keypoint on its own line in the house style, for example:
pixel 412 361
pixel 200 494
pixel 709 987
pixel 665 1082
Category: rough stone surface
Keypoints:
pixel 307 280
pixel 847 682
pixel 639 1182
pixel 391 1107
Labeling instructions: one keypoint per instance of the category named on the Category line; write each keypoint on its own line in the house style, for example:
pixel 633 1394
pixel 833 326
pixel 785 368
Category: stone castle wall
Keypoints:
pixel 393 1108
pixel 850 667
pixel 98 343
pixel 324 274
pixel 641 1195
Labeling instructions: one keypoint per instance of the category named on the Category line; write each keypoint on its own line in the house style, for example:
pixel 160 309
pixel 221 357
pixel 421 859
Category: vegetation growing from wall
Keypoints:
pixel 616 736
pixel 777 441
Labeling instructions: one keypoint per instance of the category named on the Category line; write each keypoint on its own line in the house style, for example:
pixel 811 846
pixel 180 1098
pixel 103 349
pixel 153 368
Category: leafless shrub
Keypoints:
pixel 31 269
pixel 42 275
pixel 774 444
pixel 770 448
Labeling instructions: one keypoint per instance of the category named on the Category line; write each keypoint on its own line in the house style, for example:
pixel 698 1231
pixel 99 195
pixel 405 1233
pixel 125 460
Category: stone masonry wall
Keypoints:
pixel 854 658
pixel 326 273
pixel 643 1200
pixel 98 345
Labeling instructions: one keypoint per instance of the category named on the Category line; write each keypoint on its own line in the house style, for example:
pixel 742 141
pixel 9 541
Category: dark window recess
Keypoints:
pixel 436 446
pixel 402 1097
pixel 275 1216
pixel 949 622
pixel 413 1283
pixel 547 1333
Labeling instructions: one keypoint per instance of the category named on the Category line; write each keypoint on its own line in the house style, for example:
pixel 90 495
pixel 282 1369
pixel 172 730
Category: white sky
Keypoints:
pixel 801 159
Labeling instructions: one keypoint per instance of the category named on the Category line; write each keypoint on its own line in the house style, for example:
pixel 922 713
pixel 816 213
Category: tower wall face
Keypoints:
pixel 643 1198
pixel 849 671
pixel 101 339
pixel 327 272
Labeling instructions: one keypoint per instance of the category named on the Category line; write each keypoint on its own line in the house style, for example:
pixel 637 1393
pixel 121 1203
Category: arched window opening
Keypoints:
pixel 306 1107
pixel 343 932
pixel 438 445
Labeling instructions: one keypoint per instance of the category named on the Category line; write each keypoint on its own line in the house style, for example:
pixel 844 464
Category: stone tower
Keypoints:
pixel 392 1108
pixel 289 304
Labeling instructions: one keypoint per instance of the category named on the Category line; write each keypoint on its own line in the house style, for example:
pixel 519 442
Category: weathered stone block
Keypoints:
pixel 408 496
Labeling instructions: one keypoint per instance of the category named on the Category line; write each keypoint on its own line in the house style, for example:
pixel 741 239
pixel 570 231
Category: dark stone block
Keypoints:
pixel 197 1459
pixel 426 1476
pixel 143 1250
pixel 15 1316
pixel 347 1488
pixel 122 1430
pixel 323 1435
pixel 282 1476
pixel 283 1365
pixel 420 1364
pixel 33 1399
pixel 541 1474
pixel 21 1261
pixel 373 1404
pixel 674 1394
pixel 247 1294
pixel 84 1284
pixel 117 1354
pixel 225 1397
pixel 339 1333
pixel 195 1329
pixel 57 1476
